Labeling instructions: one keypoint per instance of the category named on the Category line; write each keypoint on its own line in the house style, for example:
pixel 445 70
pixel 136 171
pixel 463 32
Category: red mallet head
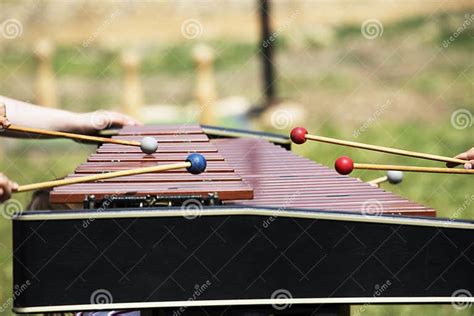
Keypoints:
pixel 298 135
pixel 344 165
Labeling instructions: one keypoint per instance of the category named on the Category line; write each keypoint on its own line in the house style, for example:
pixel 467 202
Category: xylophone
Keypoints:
pixel 260 229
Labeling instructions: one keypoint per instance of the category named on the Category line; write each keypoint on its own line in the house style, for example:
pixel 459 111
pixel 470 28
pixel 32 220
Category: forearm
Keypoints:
pixel 34 116
pixel 25 114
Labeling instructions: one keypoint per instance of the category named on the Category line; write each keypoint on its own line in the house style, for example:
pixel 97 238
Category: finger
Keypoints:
pixel 463 156
pixel 469 165
pixel 468 155
pixel 6 187
pixel 122 119
pixel 126 120
pixel 3 179
pixel 4 123
pixel 3 196
pixel 14 186
pixel 3 110
pixel 7 193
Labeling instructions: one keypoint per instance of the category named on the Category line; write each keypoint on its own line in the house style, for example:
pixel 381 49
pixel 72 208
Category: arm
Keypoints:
pixel 26 114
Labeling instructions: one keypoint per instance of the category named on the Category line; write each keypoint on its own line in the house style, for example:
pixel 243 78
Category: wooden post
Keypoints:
pixel 45 86
pixel 132 88
pixel 205 83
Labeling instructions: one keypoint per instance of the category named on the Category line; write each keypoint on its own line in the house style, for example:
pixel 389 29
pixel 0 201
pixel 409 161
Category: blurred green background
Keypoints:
pixel 401 89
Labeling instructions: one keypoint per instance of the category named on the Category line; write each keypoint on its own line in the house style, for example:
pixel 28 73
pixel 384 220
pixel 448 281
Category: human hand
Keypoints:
pixel 92 122
pixel 6 188
pixel 467 155
pixel 4 122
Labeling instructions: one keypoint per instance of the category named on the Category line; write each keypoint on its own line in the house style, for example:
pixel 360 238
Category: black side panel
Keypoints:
pixel 69 262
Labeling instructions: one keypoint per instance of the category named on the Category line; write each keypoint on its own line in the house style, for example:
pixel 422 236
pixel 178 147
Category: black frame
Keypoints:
pixel 154 258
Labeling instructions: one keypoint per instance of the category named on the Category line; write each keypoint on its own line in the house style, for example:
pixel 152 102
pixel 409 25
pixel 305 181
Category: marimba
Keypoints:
pixel 262 230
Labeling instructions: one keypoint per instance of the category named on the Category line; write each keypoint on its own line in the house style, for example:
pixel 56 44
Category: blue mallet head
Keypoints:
pixel 198 163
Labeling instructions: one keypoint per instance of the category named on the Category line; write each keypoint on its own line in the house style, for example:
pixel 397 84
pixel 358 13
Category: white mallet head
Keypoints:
pixel 148 145
pixel 394 176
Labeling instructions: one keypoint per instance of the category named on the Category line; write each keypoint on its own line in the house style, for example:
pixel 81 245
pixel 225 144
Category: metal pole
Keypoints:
pixel 267 42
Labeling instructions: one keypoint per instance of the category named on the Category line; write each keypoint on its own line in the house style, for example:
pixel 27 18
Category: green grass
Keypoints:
pixel 443 25
pixel 96 62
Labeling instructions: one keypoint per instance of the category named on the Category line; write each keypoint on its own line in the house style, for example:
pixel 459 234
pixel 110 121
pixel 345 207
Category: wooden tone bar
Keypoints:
pixel 175 144
pixel 283 180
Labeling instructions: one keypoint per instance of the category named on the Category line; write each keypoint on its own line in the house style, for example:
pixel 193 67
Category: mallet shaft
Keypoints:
pixel 385 149
pixel 378 181
pixel 412 168
pixel 73 136
pixel 102 176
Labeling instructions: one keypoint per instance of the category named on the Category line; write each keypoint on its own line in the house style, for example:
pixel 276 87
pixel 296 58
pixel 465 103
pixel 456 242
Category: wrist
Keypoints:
pixel 90 122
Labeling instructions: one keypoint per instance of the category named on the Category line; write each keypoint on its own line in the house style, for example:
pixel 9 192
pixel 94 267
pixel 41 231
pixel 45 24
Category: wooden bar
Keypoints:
pixel 171 138
pixel 283 180
pixel 100 167
pixel 160 157
pixel 166 177
pixel 243 171
pixel 147 130
pixel 174 145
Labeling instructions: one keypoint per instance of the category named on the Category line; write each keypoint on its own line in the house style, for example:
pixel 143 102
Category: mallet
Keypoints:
pixel 195 164
pixel 299 135
pixel 344 165
pixel 392 177
pixel 148 144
